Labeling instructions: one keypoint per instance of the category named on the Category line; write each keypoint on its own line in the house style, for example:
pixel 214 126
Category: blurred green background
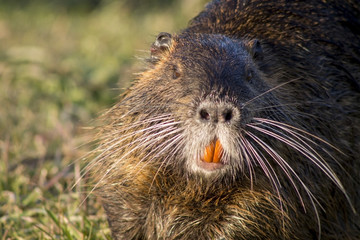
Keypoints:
pixel 63 62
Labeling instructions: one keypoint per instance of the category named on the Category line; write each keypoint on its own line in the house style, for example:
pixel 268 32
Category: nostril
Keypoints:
pixel 204 115
pixel 227 115
pixel 217 112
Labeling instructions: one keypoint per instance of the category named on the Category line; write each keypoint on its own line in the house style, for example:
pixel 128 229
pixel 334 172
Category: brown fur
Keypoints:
pixel 279 82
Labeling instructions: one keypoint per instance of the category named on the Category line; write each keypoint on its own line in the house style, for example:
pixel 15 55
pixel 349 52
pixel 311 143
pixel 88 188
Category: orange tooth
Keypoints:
pixel 213 152
pixel 218 152
pixel 209 152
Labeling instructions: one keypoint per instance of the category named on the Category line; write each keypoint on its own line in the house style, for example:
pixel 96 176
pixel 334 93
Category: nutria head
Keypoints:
pixel 206 88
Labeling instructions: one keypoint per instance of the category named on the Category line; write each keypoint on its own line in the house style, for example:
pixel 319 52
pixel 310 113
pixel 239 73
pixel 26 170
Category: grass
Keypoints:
pixel 60 68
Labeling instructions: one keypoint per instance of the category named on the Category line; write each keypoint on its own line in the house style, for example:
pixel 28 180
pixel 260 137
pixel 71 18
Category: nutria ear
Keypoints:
pixel 162 44
pixel 255 49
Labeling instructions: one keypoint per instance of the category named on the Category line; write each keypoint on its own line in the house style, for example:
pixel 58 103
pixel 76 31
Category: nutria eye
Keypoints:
pixel 249 75
pixel 176 72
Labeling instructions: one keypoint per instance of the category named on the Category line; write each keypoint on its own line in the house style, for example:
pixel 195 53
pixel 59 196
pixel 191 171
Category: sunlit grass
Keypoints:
pixel 58 70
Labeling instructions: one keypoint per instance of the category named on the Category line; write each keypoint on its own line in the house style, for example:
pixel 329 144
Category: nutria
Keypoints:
pixel 245 125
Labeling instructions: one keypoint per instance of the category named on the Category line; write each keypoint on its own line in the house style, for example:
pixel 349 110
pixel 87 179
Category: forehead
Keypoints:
pixel 210 43
pixel 209 50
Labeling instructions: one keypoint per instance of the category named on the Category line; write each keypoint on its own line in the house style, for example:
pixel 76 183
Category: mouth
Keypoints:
pixel 213 156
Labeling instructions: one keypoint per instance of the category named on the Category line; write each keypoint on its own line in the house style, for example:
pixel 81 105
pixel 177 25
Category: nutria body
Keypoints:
pixel 245 126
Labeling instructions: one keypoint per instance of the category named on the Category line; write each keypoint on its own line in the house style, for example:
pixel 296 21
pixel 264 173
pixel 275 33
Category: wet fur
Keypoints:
pixel 292 152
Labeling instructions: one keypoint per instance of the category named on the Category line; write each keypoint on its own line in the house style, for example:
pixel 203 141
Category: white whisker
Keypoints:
pixel 268 91
pixel 286 168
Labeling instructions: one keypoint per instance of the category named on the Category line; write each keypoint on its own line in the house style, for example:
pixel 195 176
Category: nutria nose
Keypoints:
pixel 217 112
